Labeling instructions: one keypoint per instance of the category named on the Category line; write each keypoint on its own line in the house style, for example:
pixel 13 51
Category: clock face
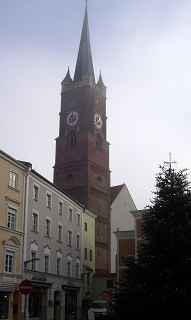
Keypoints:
pixel 98 120
pixel 72 118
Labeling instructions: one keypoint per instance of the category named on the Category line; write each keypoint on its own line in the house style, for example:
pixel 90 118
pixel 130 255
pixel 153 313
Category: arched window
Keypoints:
pixel 98 142
pixel 72 140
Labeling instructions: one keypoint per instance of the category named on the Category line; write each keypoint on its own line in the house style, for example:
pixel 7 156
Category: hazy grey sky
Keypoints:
pixel 142 47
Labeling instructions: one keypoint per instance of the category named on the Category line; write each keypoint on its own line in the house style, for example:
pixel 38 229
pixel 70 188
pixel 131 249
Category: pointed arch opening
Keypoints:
pixel 71 140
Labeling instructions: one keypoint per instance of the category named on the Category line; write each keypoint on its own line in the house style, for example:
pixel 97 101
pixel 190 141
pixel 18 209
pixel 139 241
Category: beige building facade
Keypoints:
pixel 12 208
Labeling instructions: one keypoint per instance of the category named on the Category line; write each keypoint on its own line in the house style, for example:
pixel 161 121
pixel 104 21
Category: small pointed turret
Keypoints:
pixel 67 78
pixel 100 82
pixel 84 64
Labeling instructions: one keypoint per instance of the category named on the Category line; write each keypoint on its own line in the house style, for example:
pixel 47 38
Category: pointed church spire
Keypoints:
pixel 84 64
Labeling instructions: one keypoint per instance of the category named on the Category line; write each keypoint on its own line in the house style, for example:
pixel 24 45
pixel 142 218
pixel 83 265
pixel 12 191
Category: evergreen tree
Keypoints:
pixel 158 283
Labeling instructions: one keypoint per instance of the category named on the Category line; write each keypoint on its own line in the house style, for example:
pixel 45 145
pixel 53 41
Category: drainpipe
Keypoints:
pixel 25 217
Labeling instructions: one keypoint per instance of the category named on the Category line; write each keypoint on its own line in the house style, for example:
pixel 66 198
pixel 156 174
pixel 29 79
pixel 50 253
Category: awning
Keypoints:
pixel 73 288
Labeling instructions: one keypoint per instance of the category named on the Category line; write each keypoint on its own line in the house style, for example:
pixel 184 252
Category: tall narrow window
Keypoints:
pixel 77 270
pixel 90 255
pixel 69 269
pixel 48 200
pixel 58 266
pixel 85 226
pixel 70 238
pixel 33 260
pixel 9 262
pixel 60 208
pixel 36 193
pixel 35 221
pixel 98 142
pixel 72 140
pixel 78 242
pixel 59 238
pixel 78 219
pixel 70 214
pixel 47 227
pixel 11 218
pixel 46 263
pixel 13 180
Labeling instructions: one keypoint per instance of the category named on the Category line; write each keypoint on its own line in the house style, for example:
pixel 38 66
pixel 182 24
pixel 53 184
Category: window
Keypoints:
pixel 59 238
pixel 98 142
pixel 88 278
pixel 47 227
pixel 78 219
pixel 35 221
pixel 36 193
pixel 78 242
pixel 13 180
pixel 90 255
pixel 78 276
pixel 69 269
pixel 33 261
pixel 60 208
pixel 58 266
pixel 9 262
pixel 46 263
pixel 70 238
pixel 11 218
pixel 70 214
pixel 48 200
pixel 85 226
pixel 86 253
pixel 58 262
pixel 72 140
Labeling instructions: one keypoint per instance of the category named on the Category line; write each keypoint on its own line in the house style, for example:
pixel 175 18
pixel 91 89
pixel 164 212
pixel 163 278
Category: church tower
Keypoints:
pixel 82 152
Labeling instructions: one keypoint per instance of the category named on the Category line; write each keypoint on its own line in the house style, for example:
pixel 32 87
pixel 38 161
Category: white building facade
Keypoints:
pixel 53 251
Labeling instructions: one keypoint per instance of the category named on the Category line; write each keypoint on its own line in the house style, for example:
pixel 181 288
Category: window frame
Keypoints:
pixel 70 214
pixel 78 241
pixel 36 195
pixel 46 263
pixel 7 265
pixel 47 230
pixel 60 207
pixel 60 234
pixel 33 263
pixel 12 213
pixel 78 219
pixel 13 183
pixel 58 265
pixel 78 271
pixel 48 200
pixel 35 214
pixel 70 237
pixel 85 226
pixel 91 254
